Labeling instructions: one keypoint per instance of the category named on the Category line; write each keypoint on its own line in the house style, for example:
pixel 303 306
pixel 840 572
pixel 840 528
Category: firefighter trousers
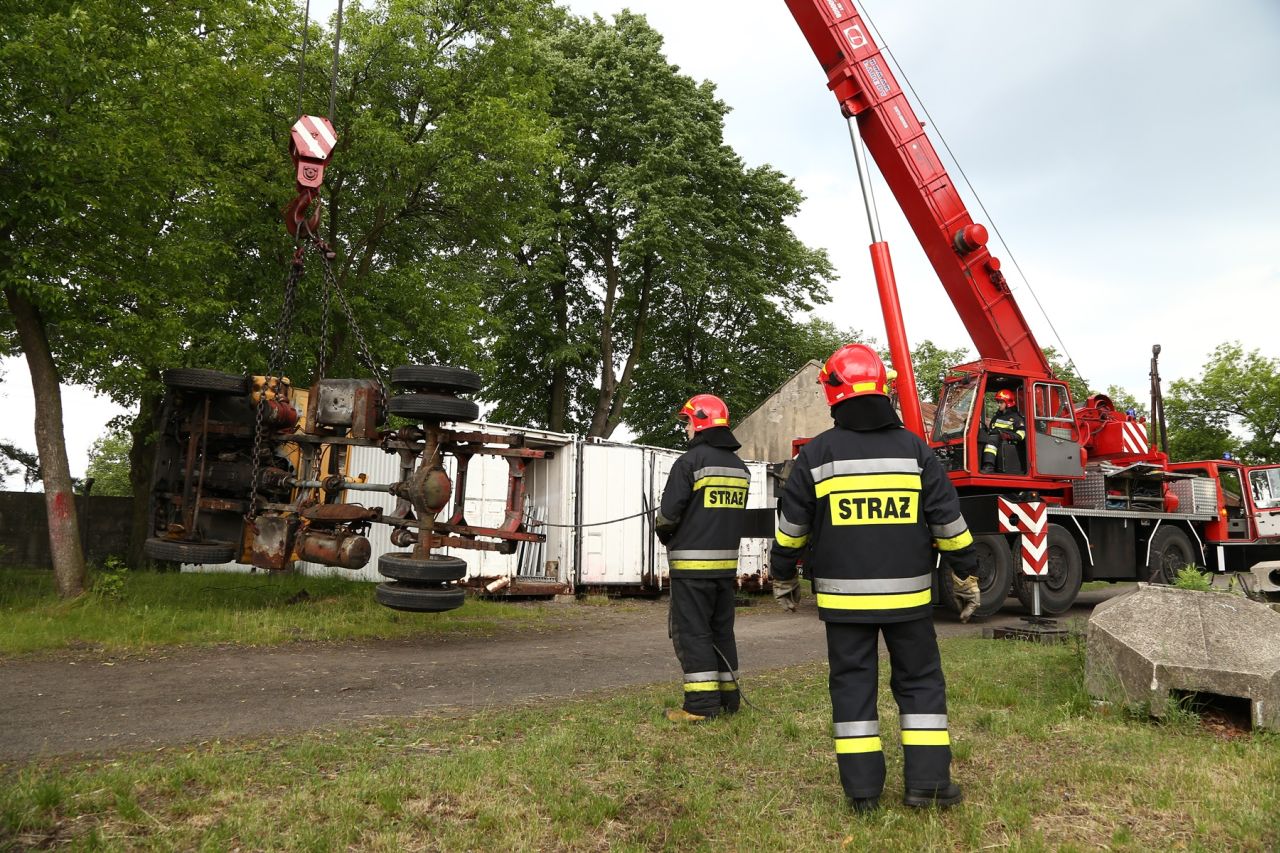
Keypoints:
pixel 700 622
pixel 919 689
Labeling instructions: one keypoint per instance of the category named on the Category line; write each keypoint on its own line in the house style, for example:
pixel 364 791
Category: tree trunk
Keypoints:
pixel 608 381
pixel 51 444
pixel 142 460
pixel 558 405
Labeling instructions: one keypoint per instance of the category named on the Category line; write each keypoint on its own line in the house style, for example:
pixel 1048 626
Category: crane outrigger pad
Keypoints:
pixel 1146 646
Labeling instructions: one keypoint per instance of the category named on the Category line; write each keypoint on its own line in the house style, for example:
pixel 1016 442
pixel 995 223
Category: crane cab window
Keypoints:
pixel 1053 411
pixel 952 417
pixel 1264 485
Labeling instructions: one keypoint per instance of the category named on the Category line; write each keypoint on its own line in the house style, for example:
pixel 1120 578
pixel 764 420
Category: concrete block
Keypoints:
pixel 1144 644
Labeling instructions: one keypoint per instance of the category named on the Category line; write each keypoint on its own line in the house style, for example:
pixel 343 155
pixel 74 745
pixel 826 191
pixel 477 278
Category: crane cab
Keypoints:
pixel 1045 452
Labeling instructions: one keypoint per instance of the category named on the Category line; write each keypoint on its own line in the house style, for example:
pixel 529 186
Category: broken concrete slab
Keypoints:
pixel 1157 639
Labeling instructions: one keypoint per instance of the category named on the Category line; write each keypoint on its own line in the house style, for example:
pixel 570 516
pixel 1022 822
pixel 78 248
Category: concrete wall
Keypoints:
pixel 796 410
pixel 24 528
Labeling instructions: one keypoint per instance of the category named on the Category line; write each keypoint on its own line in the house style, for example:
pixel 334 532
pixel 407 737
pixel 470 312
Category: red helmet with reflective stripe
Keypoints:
pixel 854 370
pixel 1005 397
pixel 704 411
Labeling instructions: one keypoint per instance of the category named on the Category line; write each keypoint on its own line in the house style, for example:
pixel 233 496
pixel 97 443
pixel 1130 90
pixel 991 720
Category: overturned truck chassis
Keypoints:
pixel 240 476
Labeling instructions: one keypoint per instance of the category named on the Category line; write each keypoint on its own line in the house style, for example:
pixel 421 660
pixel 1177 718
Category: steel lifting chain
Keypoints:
pixel 274 365
pixel 366 355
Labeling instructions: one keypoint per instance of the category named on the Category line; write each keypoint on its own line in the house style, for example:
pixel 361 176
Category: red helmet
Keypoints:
pixel 854 370
pixel 704 411
pixel 1005 397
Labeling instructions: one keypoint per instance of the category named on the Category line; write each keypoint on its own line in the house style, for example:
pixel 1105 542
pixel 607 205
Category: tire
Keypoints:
pixel 1061 585
pixel 432 377
pixel 436 568
pixel 189 552
pixel 419 599
pixel 995 574
pixel 209 381
pixel 433 407
pixel 1171 551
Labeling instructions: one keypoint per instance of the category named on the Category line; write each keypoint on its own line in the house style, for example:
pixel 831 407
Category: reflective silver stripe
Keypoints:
pixel 861 728
pixel 662 521
pixel 924 721
pixel 865 466
pixel 731 554
pixel 872 585
pixel 947 531
pixel 720 471
pixel 710 675
pixel 728 676
pixel 790 527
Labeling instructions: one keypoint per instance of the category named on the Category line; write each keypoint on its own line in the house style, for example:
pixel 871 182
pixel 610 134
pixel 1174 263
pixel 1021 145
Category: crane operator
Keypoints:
pixel 1007 428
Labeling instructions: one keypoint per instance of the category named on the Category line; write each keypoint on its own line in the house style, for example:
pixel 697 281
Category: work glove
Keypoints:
pixel 788 593
pixel 665 534
pixel 966 594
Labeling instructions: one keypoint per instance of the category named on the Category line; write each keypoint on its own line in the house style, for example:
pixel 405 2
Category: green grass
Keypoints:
pixel 1041 771
pixel 150 610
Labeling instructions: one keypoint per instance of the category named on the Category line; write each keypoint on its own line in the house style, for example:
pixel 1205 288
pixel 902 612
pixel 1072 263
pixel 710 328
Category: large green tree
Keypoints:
pixel 661 264
pixel 1234 406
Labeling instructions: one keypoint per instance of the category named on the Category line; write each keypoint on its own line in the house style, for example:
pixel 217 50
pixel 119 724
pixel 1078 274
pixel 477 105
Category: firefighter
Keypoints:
pixel 1007 427
pixel 701 520
pixel 867 502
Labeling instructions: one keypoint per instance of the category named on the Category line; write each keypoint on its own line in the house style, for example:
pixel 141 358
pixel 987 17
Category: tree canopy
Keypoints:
pixel 1234 406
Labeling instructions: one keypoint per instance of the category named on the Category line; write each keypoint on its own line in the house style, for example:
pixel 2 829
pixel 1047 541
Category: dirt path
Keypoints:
pixel 101 704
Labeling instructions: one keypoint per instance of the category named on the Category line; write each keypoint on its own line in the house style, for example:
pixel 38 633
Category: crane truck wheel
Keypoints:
pixel 433 407
pixel 437 567
pixel 198 553
pixel 1061 585
pixel 1171 552
pixel 995 573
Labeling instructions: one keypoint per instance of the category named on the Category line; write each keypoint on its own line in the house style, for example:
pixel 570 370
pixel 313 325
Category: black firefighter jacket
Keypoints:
pixel 703 508
pixel 865 504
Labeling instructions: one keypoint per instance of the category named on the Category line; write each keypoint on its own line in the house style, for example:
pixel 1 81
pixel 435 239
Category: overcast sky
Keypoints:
pixel 1126 152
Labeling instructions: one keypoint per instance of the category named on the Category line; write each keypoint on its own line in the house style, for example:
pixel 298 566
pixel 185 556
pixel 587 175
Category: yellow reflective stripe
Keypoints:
pixel 846 745
pixel 874 602
pixel 719 421
pixel 731 482
pixel 728 685
pixel 955 543
pixel 859 387
pixel 790 541
pixel 925 737
pixel 860 482
pixel 704 564
pixel 700 686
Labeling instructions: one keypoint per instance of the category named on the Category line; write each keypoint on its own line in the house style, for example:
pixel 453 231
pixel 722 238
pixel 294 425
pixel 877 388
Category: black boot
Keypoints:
pixel 863 805
pixel 924 798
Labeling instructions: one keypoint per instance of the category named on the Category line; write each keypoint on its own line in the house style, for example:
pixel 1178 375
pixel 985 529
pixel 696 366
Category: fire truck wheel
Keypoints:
pixel 199 379
pixel 1171 552
pixel 434 407
pixel 419 599
pixel 189 552
pixel 437 567
pixel 995 573
pixel 1060 587
pixel 434 377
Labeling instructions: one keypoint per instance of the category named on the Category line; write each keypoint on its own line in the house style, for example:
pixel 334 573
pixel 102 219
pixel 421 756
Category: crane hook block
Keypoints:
pixel 970 238
pixel 311 143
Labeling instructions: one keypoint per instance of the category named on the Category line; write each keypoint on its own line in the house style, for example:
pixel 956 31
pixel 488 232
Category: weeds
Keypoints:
pixel 1189 577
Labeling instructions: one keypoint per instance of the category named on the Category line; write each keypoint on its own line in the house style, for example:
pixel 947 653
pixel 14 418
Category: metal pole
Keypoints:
pixel 1035 598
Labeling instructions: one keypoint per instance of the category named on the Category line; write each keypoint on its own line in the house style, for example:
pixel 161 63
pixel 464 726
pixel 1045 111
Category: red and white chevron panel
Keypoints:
pixel 1134 437
pixel 313 137
pixel 1031 519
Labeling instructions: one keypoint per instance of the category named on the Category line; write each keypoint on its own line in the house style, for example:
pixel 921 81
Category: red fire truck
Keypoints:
pixel 1085 496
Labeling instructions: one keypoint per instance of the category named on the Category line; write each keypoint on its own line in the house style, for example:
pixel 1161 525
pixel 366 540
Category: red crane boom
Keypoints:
pixel 866 89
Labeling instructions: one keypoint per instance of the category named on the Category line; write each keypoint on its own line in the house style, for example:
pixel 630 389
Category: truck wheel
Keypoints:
pixel 1171 552
pixel 995 573
pixel 1061 584
pixel 209 381
pixel 433 407
pixel 437 567
pixel 435 377
pixel 189 552
pixel 419 599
